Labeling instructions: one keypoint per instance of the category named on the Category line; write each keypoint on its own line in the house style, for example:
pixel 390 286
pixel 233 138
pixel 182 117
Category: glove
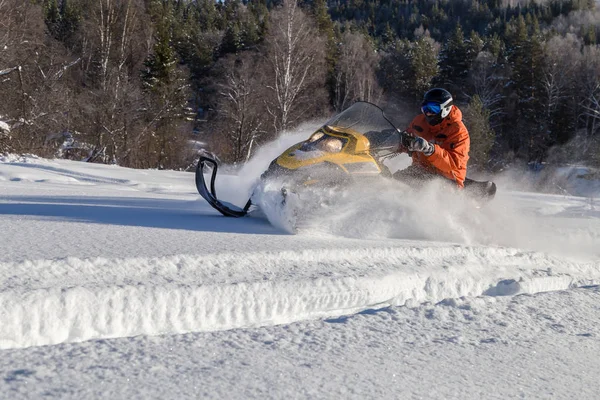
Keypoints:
pixel 421 145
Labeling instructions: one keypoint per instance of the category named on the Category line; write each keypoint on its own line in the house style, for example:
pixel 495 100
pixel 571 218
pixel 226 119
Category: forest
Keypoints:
pixel 147 83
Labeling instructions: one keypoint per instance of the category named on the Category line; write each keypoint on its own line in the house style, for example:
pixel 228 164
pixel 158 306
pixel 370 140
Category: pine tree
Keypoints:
pixel 526 60
pixel 167 86
pixel 424 65
pixel 454 60
pixel 590 35
pixel 475 45
pixel 160 65
pixel 206 15
pixel 408 68
pixel 495 45
pixel 325 27
pixel 243 27
pixel 52 17
pixel 232 40
pixel 395 70
pixel 62 19
pixel 261 12
pixel 389 35
pixel 482 136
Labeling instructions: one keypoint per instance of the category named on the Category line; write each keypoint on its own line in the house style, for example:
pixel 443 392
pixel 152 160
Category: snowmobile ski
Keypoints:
pixel 227 209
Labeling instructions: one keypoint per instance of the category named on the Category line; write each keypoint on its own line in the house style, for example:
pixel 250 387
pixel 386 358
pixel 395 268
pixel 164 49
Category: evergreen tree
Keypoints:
pixel 161 64
pixel 454 60
pixel 394 74
pixel 495 45
pixel 540 142
pixel 167 86
pixel 62 18
pixel 408 68
pixel 475 45
pixel 424 65
pixel 482 136
pixel 52 16
pixel 232 40
pixel 243 29
pixel 326 28
pixel 389 35
pixel 589 35
pixel 206 15
pixel 526 61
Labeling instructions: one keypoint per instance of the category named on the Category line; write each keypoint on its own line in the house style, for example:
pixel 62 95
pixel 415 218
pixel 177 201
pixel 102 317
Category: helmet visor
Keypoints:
pixel 431 108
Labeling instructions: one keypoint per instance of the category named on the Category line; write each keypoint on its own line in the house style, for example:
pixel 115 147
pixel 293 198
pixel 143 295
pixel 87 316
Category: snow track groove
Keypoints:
pixel 47 302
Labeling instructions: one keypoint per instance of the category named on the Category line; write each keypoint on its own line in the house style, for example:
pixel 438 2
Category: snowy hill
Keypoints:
pixel 120 283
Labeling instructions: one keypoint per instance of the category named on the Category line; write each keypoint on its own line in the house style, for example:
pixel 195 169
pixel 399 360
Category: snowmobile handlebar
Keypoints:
pixel 406 140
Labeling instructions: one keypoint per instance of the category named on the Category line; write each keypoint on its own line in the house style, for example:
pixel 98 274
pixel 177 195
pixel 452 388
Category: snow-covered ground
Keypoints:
pixel 120 283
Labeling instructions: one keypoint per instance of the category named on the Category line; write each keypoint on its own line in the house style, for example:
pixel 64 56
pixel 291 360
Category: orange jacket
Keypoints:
pixel 451 140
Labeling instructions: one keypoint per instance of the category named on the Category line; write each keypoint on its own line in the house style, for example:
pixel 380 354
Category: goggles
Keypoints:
pixel 431 108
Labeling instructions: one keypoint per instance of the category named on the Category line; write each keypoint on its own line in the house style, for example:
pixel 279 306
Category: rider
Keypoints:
pixel 439 140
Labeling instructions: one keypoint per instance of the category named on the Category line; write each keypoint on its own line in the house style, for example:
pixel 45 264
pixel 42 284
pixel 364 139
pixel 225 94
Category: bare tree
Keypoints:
pixel 33 91
pixel 13 39
pixel 589 105
pixel 113 45
pixel 573 21
pixel 590 83
pixel 241 113
pixel 295 67
pixel 355 72
pixel 487 84
pixel 562 59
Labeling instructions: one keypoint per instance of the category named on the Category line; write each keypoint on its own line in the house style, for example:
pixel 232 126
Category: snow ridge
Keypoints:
pixel 47 302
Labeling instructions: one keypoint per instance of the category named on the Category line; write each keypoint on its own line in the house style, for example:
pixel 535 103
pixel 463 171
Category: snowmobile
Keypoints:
pixel 349 148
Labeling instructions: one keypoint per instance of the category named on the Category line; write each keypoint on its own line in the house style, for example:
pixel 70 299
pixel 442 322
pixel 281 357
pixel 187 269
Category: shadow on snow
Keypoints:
pixel 144 212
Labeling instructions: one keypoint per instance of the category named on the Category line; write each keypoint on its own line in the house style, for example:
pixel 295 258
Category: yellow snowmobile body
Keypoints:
pixel 331 154
pixel 351 145
pixel 353 156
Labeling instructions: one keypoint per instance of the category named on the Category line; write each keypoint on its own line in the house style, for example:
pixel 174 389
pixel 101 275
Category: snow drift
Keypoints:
pixel 56 301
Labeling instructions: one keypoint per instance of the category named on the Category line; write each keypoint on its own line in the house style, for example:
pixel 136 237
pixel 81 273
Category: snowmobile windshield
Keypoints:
pixel 368 120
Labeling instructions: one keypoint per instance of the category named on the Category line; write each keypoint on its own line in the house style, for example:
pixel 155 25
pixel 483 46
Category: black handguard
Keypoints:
pixel 407 139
